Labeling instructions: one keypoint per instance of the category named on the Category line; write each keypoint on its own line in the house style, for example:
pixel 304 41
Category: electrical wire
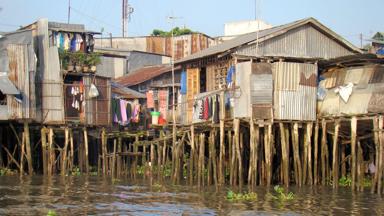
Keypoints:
pixel 94 19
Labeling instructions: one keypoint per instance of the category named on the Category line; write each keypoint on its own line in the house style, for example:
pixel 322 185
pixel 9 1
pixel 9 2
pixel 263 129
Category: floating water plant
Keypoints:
pixel 51 213
pixel 6 172
pixel 281 195
pixel 345 181
pixel 76 171
pixel 232 196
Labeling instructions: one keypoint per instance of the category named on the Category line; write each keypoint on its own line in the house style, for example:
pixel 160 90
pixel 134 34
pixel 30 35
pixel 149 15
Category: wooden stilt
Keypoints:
pixel 335 155
pixel 305 156
pixel 222 154
pixel 236 125
pixel 343 165
pixel 353 151
pixel 377 148
pixel 192 156
pixel 64 156
pixel 200 173
pixel 268 153
pixel 232 158
pixel 44 150
pixel 296 150
pixel 324 162
pixel 103 149
pixel 153 160
pixel 251 169
pixel 119 157
pixel 113 167
pixel 51 160
pixel 309 148
pixel 315 154
pixel 22 154
pixel 285 155
pixel 28 147
pixel 135 150
pixel 380 167
pixel 360 167
pixel 86 150
pixel 72 152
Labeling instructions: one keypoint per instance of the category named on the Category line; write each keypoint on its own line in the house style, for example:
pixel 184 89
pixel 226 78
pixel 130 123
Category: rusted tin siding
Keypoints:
pixel 367 92
pixel 18 58
pixel 303 42
pixel 98 110
pixel 294 91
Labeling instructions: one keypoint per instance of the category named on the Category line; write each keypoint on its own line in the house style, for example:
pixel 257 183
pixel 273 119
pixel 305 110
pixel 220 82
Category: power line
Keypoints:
pixel 94 18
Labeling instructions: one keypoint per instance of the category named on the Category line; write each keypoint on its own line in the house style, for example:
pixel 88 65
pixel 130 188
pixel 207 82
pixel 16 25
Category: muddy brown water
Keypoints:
pixel 85 195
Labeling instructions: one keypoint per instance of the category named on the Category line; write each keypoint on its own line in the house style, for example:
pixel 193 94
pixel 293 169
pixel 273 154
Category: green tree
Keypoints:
pixel 176 32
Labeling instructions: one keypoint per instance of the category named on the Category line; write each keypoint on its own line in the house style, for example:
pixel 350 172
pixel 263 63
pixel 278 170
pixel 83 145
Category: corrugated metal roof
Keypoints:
pixel 7 87
pixel 144 74
pixel 265 35
pixel 126 92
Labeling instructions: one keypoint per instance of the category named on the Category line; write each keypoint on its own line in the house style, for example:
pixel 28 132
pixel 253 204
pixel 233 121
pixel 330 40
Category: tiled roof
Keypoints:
pixel 144 74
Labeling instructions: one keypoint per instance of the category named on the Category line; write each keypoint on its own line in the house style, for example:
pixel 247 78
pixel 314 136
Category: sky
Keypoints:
pixel 348 18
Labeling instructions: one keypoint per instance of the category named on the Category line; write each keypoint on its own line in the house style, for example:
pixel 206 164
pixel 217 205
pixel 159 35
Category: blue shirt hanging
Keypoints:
pixel 230 73
pixel 183 82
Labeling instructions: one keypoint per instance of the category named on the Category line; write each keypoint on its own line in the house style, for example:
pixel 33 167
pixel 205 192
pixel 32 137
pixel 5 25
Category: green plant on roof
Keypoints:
pixel 281 195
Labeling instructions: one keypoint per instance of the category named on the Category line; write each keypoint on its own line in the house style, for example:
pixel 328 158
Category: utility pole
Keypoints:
pixel 69 10
pixel 361 40
pixel 127 10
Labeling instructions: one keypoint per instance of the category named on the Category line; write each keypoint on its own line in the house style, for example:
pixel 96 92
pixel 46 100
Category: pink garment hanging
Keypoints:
pixel 163 103
pixel 123 109
pixel 150 101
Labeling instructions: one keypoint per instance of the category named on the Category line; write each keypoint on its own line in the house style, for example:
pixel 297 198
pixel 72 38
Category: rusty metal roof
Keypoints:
pixel 144 74
pixel 125 92
pixel 264 35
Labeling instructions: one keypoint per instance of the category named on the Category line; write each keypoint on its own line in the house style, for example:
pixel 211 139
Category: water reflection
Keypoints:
pixel 98 195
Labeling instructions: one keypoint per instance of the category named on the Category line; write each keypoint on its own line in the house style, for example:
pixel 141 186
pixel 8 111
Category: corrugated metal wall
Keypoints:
pixel 242 97
pixel 367 93
pixel 19 75
pixel 294 100
pixel 303 42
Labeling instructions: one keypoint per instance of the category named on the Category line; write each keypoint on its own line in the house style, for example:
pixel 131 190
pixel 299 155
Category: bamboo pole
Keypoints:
pixel 324 162
pixel 64 158
pixel 44 150
pixel 135 150
pixel 343 166
pixel 119 157
pixel 28 147
pixel 360 167
pixel 251 170
pixel 200 173
pixel 285 155
pixel 335 156
pixel 353 151
pixel 232 158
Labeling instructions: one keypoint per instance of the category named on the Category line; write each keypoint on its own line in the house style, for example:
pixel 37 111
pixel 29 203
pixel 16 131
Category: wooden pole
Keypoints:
pixel 251 170
pixel 113 167
pixel 309 147
pixel 44 150
pixel 360 167
pixel 22 155
pixel 315 154
pixel 222 154
pixel 268 153
pixel 86 150
pixel 285 155
pixel 72 152
pixel 380 167
pixel 296 152
pixel 236 123
pixel 324 162
pixel 201 168
pixel 28 147
pixel 64 160
pixel 377 148
pixel 103 148
pixel 192 156
pixel 119 157
pixel 353 151
pixel 335 156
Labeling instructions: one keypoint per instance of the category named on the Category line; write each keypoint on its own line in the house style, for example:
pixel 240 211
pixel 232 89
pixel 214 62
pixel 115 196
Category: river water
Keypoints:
pixel 88 195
